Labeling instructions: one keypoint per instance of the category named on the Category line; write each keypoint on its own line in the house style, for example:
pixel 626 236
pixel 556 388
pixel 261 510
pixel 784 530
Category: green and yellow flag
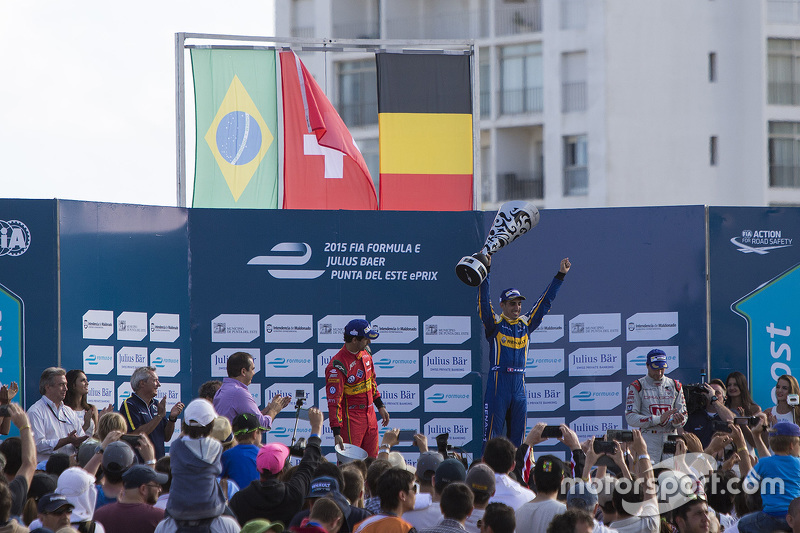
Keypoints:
pixel 236 156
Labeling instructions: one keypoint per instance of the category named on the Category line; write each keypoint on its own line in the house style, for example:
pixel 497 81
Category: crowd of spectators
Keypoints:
pixel 73 467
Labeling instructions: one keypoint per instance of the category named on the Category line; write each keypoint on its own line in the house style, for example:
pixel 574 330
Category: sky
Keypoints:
pixel 88 92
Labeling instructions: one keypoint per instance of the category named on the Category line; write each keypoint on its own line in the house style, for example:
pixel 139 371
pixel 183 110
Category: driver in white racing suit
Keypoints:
pixel 655 404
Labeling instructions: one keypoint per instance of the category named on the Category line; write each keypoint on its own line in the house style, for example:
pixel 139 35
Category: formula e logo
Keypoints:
pixel 290 253
pixel 15 238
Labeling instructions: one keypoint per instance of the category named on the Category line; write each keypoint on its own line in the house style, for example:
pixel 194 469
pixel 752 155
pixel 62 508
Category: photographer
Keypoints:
pixel 701 421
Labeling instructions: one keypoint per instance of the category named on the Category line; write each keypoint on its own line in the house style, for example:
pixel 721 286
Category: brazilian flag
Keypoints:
pixel 236 157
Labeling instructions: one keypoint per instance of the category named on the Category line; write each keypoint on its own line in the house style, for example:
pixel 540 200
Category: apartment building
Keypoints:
pixel 593 103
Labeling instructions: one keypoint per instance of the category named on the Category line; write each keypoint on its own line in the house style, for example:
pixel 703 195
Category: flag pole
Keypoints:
pixel 180 119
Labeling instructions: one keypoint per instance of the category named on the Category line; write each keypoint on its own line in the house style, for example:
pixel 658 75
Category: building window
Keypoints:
pixel 576 169
pixel 784 154
pixel 712 67
pixel 573 82
pixel 485 84
pixel 521 79
pixel 712 150
pixel 783 71
pixel 357 92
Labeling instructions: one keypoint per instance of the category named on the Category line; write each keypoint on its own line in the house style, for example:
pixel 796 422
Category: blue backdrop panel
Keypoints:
pixel 282 285
pixel 755 287
pixel 28 293
pixel 125 297
pixel 637 282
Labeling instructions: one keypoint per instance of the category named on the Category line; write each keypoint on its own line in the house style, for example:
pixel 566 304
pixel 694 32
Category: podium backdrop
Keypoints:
pixel 110 287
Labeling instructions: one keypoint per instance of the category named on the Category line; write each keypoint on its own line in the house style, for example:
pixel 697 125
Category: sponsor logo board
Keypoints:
pixel 167 361
pixel 400 397
pixel 597 396
pixel 546 362
pixel 98 360
pixel 290 389
pixel 550 330
pixel 129 358
pixel 131 326
pixel 165 327
pixel 235 328
pixel 98 324
pixel 255 392
pixel 761 241
pixel 396 329
pixel 289 363
pixel 544 396
pixel 599 327
pixel 288 328
pixel 291 254
pixel 595 361
pixel 651 326
pixel 323 359
pixel 330 328
pixel 447 364
pixel 448 398
pixel 594 426
pixel 101 393
pixel 447 330
pixel 460 430
pixel 396 363
pixel 123 393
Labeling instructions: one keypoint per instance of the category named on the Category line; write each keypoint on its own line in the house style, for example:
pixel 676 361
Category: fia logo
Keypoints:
pixel 15 238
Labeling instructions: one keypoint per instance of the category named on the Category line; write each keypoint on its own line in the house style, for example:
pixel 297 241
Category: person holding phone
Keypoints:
pixel 505 405
pixel 352 391
pixel 655 404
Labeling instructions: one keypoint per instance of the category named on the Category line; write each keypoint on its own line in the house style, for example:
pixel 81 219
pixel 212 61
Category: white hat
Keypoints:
pixel 199 413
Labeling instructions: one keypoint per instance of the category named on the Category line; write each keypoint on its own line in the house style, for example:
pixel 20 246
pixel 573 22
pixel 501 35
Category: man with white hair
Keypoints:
pixel 56 427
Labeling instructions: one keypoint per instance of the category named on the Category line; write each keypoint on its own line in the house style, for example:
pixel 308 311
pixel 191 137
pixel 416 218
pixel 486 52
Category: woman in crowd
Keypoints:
pixel 783 411
pixel 739 399
pixel 76 399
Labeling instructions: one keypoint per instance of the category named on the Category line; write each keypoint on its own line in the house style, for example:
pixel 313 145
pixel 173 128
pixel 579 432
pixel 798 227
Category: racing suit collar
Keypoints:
pixel 511 320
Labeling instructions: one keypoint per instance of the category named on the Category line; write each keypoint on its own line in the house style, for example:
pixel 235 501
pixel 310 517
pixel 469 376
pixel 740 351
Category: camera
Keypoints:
pixel 131 440
pixel 749 421
pixel 669 447
pixel 449 451
pixel 298 448
pixel 622 435
pixel 793 399
pixel 551 432
pixel 695 395
pixel 604 446
pixel 720 425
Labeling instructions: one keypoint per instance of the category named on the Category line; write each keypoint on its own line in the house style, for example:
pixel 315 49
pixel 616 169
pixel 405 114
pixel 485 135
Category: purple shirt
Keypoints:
pixel 234 398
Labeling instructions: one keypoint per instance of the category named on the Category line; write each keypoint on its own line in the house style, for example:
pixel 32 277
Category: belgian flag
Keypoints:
pixel 425 127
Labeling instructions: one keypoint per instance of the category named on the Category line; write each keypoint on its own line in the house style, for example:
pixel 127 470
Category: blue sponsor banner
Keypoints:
pixel 28 293
pixel 754 290
pixel 637 282
pixel 125 297
pixel 281 285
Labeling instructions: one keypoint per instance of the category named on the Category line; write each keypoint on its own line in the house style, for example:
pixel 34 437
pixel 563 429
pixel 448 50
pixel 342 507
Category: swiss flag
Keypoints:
pixel 323 168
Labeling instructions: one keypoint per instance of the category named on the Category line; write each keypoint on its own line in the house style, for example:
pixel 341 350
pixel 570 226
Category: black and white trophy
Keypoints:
pixel 512 220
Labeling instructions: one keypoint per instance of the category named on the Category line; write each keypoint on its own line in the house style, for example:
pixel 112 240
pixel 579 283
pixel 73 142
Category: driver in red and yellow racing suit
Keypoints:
pixel 655 405
pixel 352 391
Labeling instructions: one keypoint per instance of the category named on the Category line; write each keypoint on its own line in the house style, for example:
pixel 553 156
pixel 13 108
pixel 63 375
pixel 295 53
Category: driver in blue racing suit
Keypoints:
pixel 505 404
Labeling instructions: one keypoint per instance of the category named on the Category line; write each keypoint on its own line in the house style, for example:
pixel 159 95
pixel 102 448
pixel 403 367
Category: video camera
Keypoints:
pixel 695 395
pixel 448 450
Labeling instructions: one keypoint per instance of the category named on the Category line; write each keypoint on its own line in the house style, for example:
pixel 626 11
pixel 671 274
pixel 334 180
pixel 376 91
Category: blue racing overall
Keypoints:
pixel 505 404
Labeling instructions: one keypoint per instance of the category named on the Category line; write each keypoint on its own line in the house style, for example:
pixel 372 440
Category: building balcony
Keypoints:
pixel 515 19
pixel 454 25
pixel 303 32
pixel 520 186
pixel 518 101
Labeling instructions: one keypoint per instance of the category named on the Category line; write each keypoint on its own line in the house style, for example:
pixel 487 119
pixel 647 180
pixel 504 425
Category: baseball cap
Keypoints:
pixel 53 502
pixel 450 471
pixel 480 478
pixel 199 413
pixel 259 525
pixel 427 464
pixel 657 358
pixel 511 294
pixel 87 450
pixel 358 327
pixel 785 429
pixel 582 496
pixel 138 475
pixel 321 486
pixel 246 423
pixel 272 457
pixel 117 457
